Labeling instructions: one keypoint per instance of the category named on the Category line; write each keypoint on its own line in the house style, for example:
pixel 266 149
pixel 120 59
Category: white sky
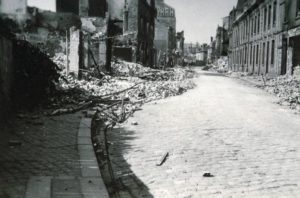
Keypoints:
pixel 43 4
pixel 198 18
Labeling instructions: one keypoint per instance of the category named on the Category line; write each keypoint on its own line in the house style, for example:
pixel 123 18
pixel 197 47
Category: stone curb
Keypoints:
pixel 89 165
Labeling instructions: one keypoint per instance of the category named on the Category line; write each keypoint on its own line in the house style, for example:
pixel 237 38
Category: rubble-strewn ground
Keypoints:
pixel 286 88
pixel 121 93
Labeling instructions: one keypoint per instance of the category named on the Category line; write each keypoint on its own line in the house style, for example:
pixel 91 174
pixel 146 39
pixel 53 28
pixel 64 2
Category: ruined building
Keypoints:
pixel 222 39
pixel 91 40
pixel 179 48
pixel 84 8
pixel 211 51
pixel 139 22
pixel 165 33
pixel 135 44
pixel 264 36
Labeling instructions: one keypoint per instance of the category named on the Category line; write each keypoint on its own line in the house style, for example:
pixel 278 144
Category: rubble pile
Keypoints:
pixel 127 69
pixel 118 96
pixel 287 88
pixel 35 75
pixel 60 60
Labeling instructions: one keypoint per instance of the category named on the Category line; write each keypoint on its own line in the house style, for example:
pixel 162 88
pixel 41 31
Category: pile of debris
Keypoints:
pixel 127 69
pixel 287 88
pixel 119 95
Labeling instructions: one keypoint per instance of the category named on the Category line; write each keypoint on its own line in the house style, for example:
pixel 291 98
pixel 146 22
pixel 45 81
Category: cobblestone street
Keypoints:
pixel 224 127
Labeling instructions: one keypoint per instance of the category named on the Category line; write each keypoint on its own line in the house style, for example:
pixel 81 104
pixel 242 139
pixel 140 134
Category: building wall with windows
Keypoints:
pixel 141 20
pixel 256 34
pixel 292 37
pixel 165 31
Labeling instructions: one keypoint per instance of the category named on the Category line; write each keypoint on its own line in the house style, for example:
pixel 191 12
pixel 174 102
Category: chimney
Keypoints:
pixel 125 17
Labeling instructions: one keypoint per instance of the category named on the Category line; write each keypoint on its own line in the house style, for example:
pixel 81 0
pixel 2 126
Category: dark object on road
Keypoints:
pixel 163 159
pixel 134 123
pixel 206 68
pixel 208 175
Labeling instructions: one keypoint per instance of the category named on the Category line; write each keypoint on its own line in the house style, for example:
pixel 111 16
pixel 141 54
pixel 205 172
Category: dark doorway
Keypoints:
pixel 284 56
pixel 97 8
pixel 268 52
pixel 68 6
pixel 295 41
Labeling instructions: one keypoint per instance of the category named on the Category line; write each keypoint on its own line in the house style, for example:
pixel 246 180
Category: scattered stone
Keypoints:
pixel 134 123
pixel 208 175
pixel 163 159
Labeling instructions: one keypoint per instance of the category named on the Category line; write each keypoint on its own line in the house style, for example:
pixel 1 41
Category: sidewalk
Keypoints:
pixel 49 157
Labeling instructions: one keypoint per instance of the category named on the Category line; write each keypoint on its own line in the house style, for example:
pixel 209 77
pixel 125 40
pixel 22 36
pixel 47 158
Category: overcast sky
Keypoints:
pixel 198 18
pixel 43 4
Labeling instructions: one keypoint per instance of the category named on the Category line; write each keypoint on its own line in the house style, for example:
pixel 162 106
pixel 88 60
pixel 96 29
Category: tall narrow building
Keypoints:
pixel 165 31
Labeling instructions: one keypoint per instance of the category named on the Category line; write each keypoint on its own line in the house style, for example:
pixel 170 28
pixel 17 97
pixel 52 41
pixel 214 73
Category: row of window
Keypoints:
pixel 255 54
pixel 256 24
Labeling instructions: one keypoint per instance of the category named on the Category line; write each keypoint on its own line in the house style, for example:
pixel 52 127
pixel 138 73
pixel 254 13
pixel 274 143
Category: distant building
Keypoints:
pixel 264 36
pixel 180 47
pixel 222 39
pixel 211 51
pixel 139 22
pixel 165 32
pixel 15 9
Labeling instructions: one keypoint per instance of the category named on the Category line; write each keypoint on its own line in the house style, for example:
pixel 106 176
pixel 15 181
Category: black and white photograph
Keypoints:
pixel 149 98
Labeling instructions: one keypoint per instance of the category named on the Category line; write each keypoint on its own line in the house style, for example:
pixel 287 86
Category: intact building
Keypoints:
pixel 259 42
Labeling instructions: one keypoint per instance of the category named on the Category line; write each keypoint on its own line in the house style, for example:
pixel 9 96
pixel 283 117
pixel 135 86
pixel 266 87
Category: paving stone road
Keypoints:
pixel 49 148
pixel 225 127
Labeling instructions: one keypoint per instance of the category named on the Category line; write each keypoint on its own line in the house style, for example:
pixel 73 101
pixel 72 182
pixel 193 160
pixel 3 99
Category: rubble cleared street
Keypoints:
pixel 225 138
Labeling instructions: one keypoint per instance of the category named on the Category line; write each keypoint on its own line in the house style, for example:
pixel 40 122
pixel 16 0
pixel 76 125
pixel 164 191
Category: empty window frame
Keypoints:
pixel 263 54
pixel 273 52
pixel 257 48
pixel 265 18
pixel 274 13
pixel 298 7
pixel 269 16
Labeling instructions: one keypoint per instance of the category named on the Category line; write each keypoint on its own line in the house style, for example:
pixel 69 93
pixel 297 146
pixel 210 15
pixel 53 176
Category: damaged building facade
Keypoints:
pixel 264 37
pixel 165 33
pixel 74 35
pixel 222 39
pixel 179 48
pixel 138 30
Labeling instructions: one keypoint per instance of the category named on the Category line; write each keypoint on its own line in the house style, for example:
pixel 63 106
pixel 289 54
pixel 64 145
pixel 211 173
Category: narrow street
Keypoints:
pixel 225 127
